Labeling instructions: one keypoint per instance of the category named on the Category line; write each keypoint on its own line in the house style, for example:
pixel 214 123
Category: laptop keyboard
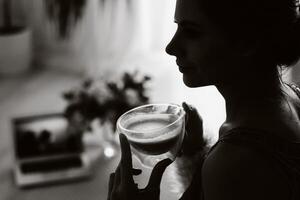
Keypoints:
pixel 53 164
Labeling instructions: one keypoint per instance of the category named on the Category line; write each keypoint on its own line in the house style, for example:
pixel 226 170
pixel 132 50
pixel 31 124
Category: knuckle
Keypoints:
pixel 113 195
pixel 116 194
pixel 111 176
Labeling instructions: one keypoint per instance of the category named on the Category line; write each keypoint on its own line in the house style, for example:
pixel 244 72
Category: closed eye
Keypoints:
pixel 190 29
pixel 190 32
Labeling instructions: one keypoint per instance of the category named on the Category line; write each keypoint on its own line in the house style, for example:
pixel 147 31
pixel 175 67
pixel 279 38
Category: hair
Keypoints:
pixel 272 27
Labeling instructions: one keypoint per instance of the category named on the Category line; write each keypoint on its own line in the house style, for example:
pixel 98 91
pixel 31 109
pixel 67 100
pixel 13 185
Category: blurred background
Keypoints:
pixel 50 47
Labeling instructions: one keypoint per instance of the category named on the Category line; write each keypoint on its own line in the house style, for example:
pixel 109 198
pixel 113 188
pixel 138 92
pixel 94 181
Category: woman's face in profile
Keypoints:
pixel 203 54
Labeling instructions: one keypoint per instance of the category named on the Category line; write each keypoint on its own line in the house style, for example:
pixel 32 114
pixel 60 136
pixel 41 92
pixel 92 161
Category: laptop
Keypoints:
pixel 45 152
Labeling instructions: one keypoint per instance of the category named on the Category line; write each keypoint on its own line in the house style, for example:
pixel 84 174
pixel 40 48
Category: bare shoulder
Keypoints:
pixel 236 172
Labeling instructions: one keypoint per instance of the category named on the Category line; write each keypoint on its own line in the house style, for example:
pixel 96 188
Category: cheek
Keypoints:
pixel 212 63
pixel 203 52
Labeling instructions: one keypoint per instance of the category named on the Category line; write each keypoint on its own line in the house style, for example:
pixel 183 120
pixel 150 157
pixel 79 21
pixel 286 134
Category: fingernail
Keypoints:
pixel 189 107
pixel 185 106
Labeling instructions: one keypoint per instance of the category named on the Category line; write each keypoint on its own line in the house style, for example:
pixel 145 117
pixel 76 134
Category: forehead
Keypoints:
pixel 189 11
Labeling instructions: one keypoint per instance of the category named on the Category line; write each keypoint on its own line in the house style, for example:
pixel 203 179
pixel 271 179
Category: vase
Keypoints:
pixel 17 57
pixel 109 140
pixel 102 139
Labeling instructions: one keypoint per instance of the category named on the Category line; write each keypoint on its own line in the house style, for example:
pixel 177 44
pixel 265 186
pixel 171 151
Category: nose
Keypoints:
pixel 169 48
pixel 173 48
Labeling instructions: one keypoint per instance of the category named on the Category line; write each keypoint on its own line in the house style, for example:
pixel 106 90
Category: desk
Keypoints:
pixel 39 93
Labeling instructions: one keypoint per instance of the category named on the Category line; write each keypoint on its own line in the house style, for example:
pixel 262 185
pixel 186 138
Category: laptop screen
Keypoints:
pixel 44 135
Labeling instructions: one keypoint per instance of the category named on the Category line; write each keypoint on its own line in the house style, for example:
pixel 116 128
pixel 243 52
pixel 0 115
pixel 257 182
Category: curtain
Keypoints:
pixel 110 32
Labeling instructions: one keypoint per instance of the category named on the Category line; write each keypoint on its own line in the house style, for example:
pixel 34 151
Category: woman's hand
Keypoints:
pixel 194 141
pixel 121 183
pixel 192 151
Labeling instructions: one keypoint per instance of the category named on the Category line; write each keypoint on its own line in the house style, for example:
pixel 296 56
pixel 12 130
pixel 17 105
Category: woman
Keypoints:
pixel 240 47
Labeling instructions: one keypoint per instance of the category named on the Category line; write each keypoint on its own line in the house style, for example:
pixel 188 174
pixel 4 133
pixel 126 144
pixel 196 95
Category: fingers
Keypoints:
pixel 192 112
pixel 110 184
pixel 194 139
pixel 123 174
pixel 157 172
pixel 117 179
pixel 126 152
pixel 194 122
pixel 126 161
pixel 186 109
pixel 122 180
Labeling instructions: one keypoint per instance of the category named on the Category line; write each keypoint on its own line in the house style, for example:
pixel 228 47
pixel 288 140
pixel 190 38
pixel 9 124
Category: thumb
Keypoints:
pixel 157 172
pixel 194 138
pixel 192 114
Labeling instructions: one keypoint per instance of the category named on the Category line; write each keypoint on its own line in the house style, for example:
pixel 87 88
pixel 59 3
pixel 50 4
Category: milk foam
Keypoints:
pixel 152 128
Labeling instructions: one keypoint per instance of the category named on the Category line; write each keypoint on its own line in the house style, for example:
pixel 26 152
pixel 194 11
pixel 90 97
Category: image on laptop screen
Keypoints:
pixel 45 151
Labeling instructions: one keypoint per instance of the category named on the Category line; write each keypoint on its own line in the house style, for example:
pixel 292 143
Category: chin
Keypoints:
pixel 194 82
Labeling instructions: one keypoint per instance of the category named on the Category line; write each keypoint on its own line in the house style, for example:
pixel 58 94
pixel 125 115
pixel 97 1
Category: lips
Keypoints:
pixel 183 67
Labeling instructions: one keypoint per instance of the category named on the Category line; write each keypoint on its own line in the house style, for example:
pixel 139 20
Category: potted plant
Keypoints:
pixel 15 37
pixel 96 104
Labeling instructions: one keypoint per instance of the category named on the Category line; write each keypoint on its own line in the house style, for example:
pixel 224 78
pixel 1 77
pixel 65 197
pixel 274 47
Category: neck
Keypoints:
pixel 253 100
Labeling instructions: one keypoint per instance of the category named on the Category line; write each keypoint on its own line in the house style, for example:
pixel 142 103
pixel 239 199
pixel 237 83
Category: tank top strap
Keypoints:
pixel 295 88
